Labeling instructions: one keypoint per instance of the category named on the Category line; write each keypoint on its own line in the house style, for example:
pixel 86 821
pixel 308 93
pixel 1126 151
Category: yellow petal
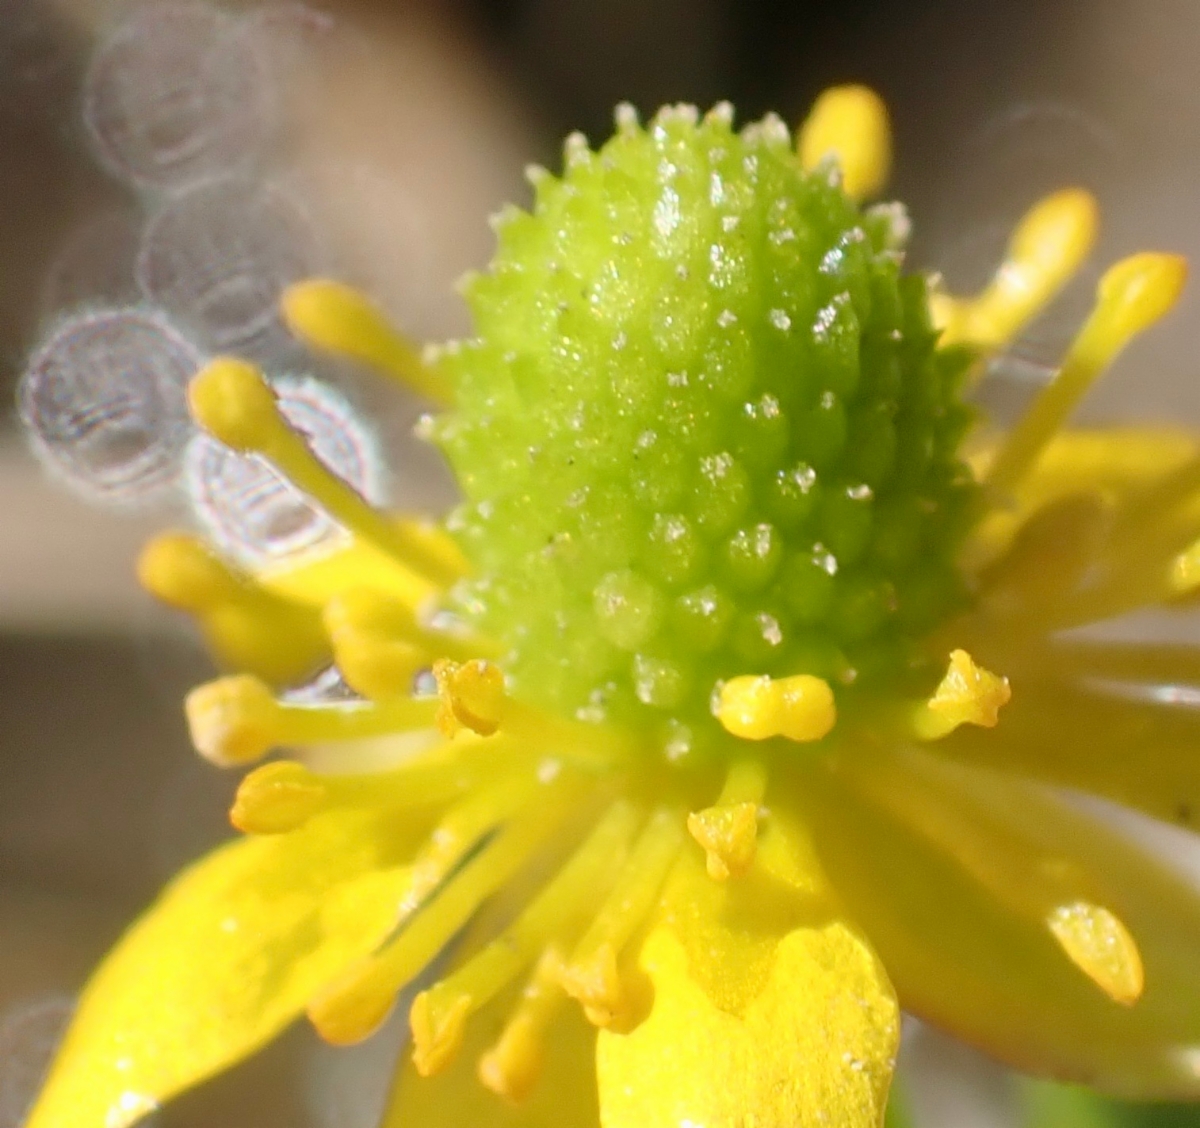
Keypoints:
pixel 750 1025
pixel 1003 980
pixel 224 960
pixel 565 1097
pixel 1139 753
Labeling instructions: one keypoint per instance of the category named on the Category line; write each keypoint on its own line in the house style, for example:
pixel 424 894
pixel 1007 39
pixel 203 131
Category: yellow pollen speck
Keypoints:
pixel 728 834
pixel 336 318
pixel 277 798
pixel 800 708
pixel 850 123
pixel 1099 944
pixel 232 720
pixel 472 696
pixel 437 1034
pixel 967 695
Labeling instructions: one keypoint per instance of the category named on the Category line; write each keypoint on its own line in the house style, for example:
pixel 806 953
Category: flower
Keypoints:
pixel 687 714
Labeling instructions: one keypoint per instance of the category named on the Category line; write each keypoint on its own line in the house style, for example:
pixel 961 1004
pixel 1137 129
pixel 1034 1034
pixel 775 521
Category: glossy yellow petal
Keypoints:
pixel 1000 978
pixel 1139 752
pixel 766 1011
pixel 1112 463
pixel 565 1096
pixel 224 960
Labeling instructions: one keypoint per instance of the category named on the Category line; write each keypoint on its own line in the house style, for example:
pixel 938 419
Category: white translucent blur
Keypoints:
pixel 176 95
pixel 218 256
pixel 103 403
pixel 94 264
pixel 253 514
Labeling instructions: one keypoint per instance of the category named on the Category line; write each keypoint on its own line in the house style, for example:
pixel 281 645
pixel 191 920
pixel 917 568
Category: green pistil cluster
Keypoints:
pixel 703 430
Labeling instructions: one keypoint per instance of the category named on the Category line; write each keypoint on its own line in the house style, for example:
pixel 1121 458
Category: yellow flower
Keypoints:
pixel 654 916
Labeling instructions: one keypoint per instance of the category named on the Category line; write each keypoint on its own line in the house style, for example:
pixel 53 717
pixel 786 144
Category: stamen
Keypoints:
pixel 471 694
pixel 358 1003
pixel 245 627
pixel 282 796
pixel 336 318
pixel 1046 249
pixel 513 1066
pixel 591 975
pixel 1131 296
pixel 231 400
pixel 1099 944
pixel 801 708
pixel 850 124
pixel 237 720
pixel 967 695
pixel 728 831
pixel 962 812
pixel 439 1014
pixel 378 644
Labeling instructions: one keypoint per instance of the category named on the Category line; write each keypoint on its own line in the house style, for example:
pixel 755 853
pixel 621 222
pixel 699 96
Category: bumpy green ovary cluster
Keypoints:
pixel 703 431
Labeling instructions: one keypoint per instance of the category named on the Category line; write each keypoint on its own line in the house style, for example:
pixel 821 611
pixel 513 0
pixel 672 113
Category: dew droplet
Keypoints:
pixel 219 255
pixel 176 95
pixel 253 513
pixel 103 402
pixel 29 1035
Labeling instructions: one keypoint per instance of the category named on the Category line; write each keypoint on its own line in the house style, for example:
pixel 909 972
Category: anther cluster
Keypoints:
pixel 703 430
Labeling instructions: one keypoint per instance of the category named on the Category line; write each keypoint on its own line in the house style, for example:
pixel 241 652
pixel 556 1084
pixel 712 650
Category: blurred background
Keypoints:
pixel 169 165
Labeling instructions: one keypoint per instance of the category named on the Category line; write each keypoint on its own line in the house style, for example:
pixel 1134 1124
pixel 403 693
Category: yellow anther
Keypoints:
pixel 728 835
pixel 1048 246
pixel 850 124
pixel 472 696
pixel 595 983
pixel 967 695
pixel 375 643
pixel 236 720
pixel 277 798
pixel 336 318
pixel 355 1006
pixel 1098 943
pixel 232 720
pixel 231 400
pixel 245 627
pixel 800 708
pixel 1131 296
pixel 513 1066
pixel 437 1031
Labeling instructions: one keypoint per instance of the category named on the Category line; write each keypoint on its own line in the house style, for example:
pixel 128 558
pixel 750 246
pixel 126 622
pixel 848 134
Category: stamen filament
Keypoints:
pixel 850 124
pixel 1047 247
pixel 358 1003
pixel 335 318
pixel 513 1066
pixel 282 796
pixel 438 1015
pixel 591 975
pixel 245 626
pixel 230 399
pixel 1131 296
pixel 236 720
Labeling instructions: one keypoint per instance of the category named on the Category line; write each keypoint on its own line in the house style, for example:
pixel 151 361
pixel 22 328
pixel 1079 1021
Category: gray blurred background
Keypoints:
pixel 402 124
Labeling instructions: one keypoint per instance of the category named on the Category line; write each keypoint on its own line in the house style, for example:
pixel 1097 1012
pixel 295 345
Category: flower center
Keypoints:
pixel 704 431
